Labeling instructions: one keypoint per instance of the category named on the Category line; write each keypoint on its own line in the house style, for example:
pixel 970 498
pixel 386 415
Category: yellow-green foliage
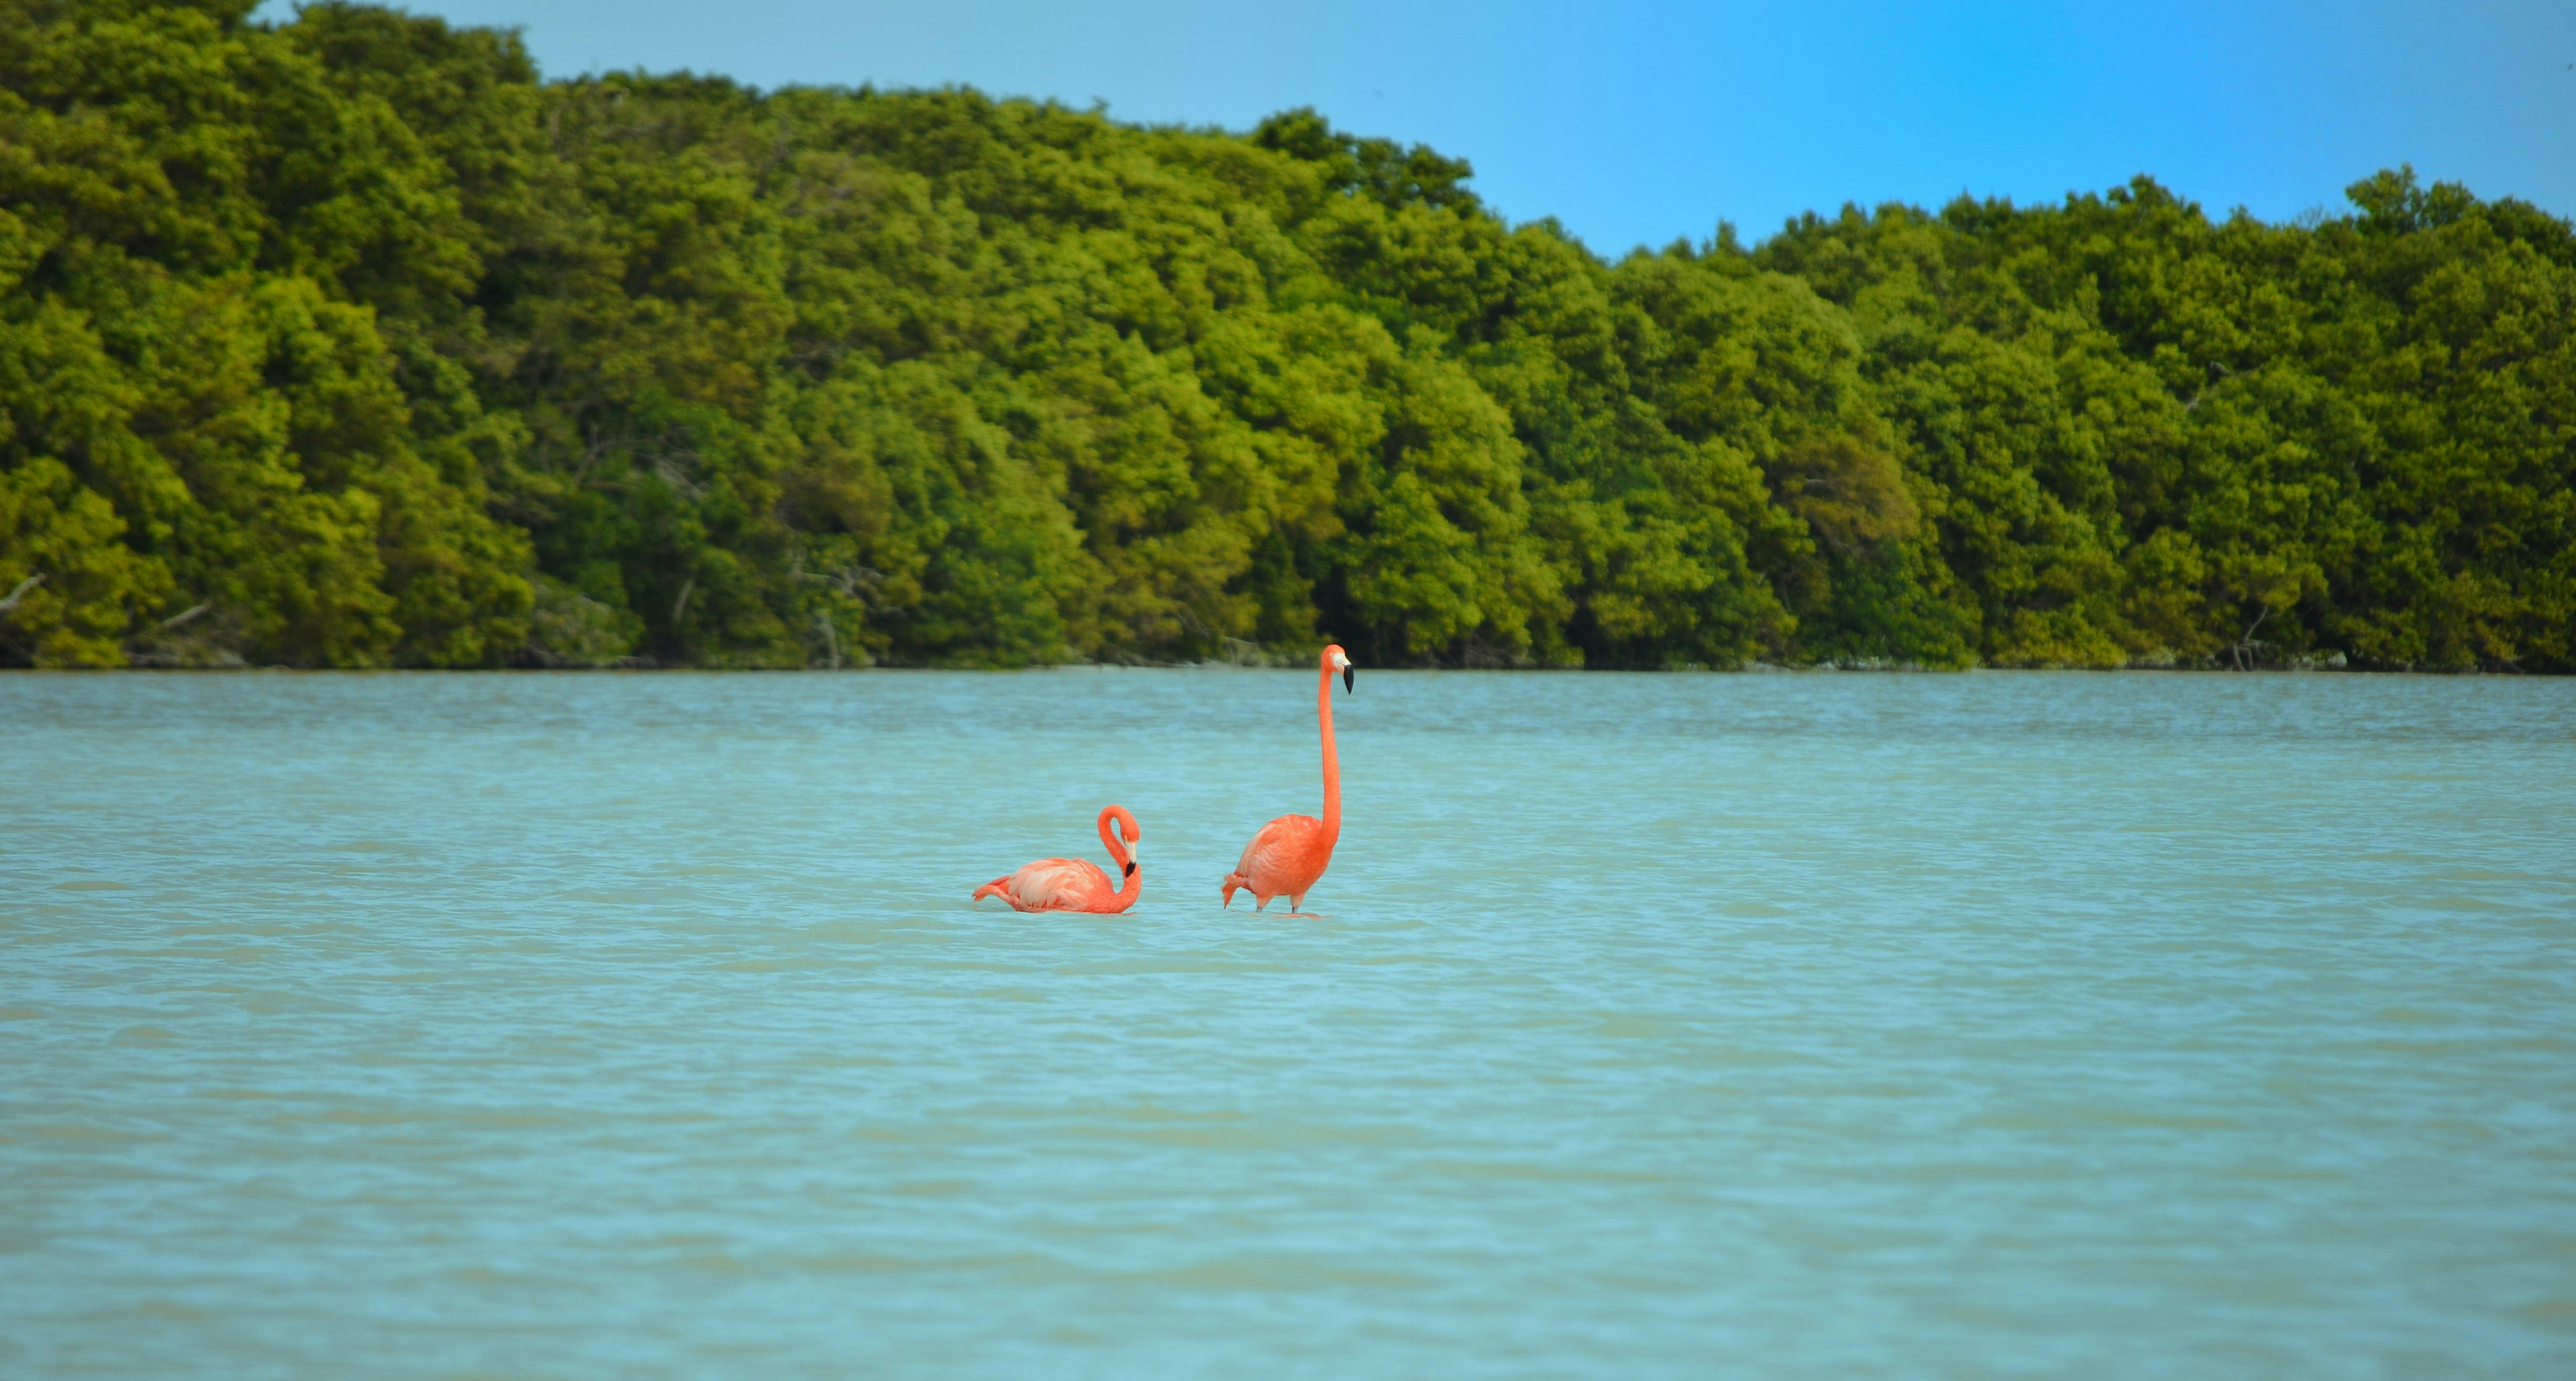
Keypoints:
pixel 209 452
pixel 348 342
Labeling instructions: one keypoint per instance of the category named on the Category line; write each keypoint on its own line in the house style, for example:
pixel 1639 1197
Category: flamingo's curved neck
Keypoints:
pixel 1121 856
pixel 1332 760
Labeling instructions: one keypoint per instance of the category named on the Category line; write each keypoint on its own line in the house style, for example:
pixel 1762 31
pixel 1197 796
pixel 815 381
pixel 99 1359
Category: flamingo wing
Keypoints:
pixel 1057 884
pixel 1282 851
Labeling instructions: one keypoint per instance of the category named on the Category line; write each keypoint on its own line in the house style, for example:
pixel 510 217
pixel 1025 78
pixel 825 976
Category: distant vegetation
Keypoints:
pixel 349 342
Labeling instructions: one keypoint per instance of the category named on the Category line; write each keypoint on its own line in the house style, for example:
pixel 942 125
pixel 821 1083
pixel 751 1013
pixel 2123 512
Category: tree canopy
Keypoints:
pixel 350 342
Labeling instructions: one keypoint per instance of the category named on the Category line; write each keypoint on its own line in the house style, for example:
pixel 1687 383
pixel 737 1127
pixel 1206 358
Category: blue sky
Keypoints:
pixel 1642 122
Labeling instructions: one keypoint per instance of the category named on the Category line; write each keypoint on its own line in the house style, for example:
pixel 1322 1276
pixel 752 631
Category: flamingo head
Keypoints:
pixel 1335 659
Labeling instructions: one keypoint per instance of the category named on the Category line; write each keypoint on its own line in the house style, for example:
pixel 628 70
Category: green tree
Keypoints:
pixel 350 341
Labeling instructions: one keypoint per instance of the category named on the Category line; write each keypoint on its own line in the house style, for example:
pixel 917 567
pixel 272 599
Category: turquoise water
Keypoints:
pixel 1795 1025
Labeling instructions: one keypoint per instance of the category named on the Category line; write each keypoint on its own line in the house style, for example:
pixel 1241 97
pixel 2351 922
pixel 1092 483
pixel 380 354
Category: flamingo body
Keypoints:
pixel 1290 853
pixel 1284 859
pixel 1075 884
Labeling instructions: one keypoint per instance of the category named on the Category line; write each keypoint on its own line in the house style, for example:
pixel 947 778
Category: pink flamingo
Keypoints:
pixel 1073 884
pixel 1292 851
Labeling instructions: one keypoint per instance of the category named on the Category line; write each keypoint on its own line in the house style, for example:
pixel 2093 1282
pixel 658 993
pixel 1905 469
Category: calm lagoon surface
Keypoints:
pixel 1824 1025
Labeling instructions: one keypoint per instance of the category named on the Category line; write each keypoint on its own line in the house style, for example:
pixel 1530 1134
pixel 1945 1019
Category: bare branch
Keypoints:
pixel 24 586
pixel 2248 648
pixel 854 582
pixel 831 636
pixel 182 617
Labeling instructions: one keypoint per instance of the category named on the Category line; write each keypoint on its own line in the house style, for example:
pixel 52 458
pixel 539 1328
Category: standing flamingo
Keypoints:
pixel 1073 884
pixel 1292 851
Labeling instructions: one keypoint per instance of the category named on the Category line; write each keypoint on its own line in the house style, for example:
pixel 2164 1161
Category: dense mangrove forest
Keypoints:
pixel 351 341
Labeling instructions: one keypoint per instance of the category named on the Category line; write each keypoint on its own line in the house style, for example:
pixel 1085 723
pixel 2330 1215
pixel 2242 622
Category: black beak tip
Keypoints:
pixel 1131 869
pixel 1348 676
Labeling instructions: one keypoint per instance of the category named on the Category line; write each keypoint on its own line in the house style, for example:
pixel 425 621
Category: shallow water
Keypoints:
pixel 1818 1025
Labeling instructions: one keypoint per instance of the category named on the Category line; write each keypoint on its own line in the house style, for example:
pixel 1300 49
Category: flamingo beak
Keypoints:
pixel 1347 678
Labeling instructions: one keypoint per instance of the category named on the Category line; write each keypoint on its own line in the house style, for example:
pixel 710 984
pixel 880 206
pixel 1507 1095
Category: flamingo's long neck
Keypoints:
pixel 1332 760
pixel 1120 855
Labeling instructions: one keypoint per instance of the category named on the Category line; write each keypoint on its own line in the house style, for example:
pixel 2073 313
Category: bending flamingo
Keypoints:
pixel 1293 850
pixel 1073 884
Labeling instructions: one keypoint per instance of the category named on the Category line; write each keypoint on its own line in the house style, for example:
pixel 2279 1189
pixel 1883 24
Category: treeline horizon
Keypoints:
pixel 350 341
